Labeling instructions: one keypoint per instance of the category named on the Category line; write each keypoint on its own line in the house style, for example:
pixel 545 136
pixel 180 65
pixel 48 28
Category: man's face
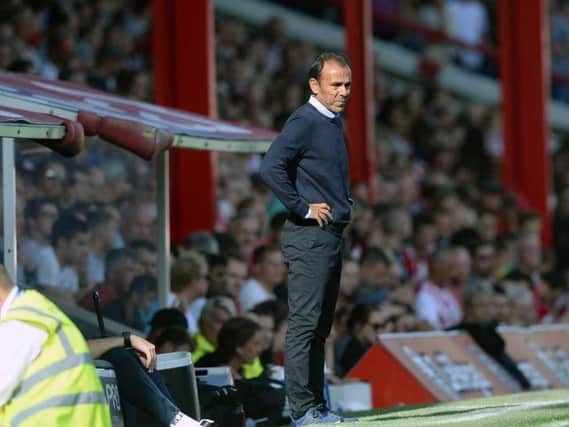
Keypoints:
pixel 139 226
pixel 530 252
pixel 45 219
pixel 333 88
pixel 236 274
pixel 120 277
pixel 460 267
pixel 484 259
pixel 246 232
pixel 148 261
pixel 77 248
pixel 267 325
pixel 350 277
pixel 217 279
pixel 271 269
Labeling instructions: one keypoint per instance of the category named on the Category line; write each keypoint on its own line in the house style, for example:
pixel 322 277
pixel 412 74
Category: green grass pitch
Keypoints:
pixel 545 408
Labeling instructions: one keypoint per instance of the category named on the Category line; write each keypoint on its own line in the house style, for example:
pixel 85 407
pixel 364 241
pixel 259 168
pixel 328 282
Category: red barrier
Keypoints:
pixel 420 368
pixel 391 383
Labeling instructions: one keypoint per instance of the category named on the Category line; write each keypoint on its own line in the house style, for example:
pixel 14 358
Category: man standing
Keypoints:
pixel 307 169
pixel 47 374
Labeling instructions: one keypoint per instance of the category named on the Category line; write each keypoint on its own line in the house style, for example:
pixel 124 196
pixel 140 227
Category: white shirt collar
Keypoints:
pixel 8 302
pixel 321 108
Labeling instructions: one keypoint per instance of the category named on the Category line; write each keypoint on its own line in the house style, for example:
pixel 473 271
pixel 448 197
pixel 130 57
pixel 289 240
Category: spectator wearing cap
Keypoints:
pixel 268 273
pixel 188 286
pixel 215 313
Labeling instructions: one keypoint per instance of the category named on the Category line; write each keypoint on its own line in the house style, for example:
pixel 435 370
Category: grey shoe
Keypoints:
pixel 321 416
pixel 328 416
pixel 312 416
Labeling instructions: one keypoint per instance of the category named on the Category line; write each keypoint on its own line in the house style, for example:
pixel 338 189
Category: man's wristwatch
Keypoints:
pixel 126 338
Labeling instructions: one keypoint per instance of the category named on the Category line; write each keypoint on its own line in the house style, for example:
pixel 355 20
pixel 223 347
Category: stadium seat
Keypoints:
pixel 218 376
pixel 177 370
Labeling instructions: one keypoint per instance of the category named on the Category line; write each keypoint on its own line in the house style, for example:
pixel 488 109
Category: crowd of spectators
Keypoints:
pixel 440 236
pixel 462 32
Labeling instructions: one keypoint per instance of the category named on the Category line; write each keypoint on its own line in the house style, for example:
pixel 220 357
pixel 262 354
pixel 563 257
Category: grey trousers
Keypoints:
pixel 314 258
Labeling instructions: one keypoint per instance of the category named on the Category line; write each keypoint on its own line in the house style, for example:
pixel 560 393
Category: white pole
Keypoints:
pixel 163 213
pixel 9 207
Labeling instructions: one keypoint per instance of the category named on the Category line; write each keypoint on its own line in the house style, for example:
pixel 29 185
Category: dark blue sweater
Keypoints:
pixel 308 163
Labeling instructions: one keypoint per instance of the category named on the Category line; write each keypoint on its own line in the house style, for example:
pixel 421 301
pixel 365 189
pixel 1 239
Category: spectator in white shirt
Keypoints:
pixel 268 273
pixel 58 270
pixel 436 302
pixel 103 230
pixel 40 213
pixel 189 286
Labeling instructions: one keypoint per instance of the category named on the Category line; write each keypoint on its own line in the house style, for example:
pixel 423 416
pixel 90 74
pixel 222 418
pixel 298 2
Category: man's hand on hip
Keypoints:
pixel 321 212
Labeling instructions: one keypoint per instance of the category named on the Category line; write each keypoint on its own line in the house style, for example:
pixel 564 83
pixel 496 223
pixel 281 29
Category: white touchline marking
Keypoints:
pixel 519 407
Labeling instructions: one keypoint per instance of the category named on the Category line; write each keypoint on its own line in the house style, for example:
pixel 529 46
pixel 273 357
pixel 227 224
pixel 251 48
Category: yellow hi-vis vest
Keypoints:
pixel 60 387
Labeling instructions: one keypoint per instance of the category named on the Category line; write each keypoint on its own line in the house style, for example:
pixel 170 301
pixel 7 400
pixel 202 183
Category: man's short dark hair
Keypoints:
pixel 33 206
pixel 373 255
pixel 114 257
pixel 216 261
pixel 67 226
pixel 169 317
pixel 261 252
pixel 275 308
pixel 175 335
pixel 99 217
pixel 315 70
